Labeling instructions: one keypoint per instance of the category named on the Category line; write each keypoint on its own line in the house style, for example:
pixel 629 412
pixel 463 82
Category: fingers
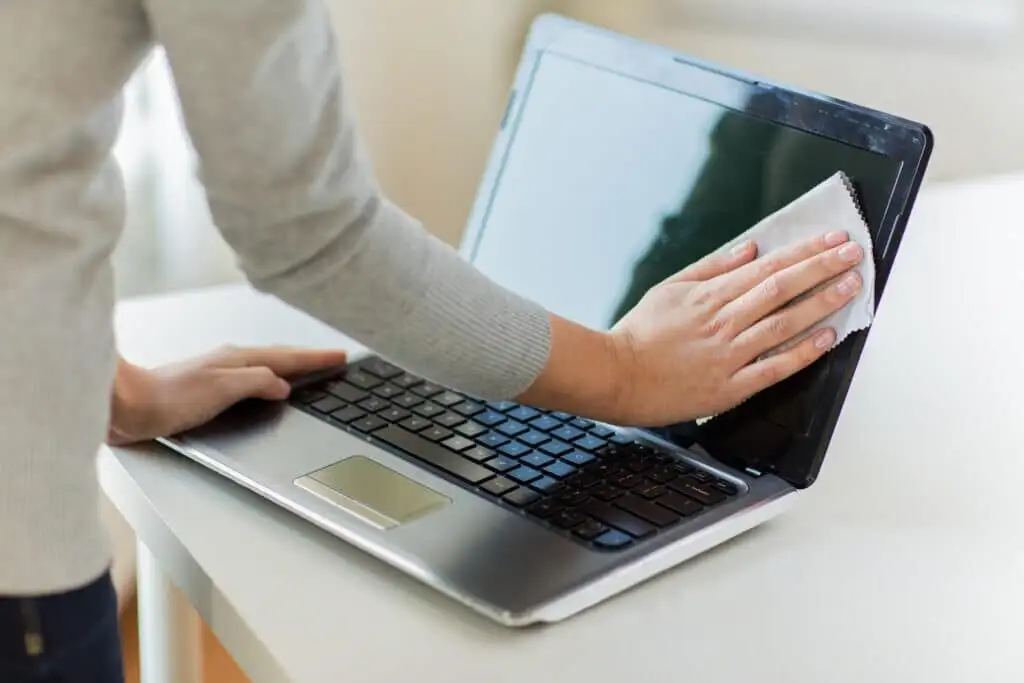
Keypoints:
pixel 282 360
pixel 758 376
pixel 237 384
pixel 786 324
pixel 735 284
pixel 717 264
pixel 781 288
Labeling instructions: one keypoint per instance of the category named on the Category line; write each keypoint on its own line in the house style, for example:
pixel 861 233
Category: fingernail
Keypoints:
pixel 849 284
pixel 851 252
pixel 825 339
pixel 741 248
pixel 834 239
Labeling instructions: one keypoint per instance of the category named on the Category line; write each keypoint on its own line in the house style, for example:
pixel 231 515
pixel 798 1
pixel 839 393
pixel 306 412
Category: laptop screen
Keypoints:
pixel 611 184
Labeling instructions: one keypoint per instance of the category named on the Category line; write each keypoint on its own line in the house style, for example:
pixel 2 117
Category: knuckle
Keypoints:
pixel 702 295
pixel 770 373
pixel 778 326
pixel 769 288
pixel 714 326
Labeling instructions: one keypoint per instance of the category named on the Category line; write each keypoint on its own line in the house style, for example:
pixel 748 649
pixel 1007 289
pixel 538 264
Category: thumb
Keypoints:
pixel 254 382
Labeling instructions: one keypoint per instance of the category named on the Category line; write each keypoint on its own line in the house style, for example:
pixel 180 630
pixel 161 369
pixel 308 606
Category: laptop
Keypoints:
pixel 617 163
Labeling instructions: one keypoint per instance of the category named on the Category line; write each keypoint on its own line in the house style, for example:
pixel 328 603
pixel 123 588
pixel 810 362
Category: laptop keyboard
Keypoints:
pixel 584 480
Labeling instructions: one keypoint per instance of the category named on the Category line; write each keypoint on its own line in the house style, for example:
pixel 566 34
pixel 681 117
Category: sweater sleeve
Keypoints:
pixel 290 189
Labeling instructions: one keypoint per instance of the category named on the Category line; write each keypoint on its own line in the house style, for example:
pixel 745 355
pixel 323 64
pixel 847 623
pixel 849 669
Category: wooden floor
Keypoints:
pixel 218 666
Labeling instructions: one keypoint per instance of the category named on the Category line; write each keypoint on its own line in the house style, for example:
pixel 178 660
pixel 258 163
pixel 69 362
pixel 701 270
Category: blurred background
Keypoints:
pixel 430 78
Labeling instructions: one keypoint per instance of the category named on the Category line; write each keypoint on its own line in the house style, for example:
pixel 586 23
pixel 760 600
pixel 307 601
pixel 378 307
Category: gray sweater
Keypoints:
pixel 290 189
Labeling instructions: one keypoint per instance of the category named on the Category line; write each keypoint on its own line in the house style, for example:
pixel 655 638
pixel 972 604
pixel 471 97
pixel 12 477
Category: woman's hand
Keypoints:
pixel 173 398
pixel 696 344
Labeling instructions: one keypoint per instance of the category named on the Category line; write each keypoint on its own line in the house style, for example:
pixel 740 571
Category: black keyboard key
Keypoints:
pixel 328 404
pixel 489 418
pixel 458 443
pixel 479 454
pixel 522 497
pixel 613 540
pixel 349 414
pixel 602 432
pixel 491 440
pixel 607 493
pixel 374 404
pixel 393 414
pixel 415 424
pixel 655 514
pixel 407 400
pixel 566 433
pixel 590 530
pixel 533 438
pixel 662 475
pixel 502 463
pixel 512 428
pixel 694 489
pixel 725 487
pixel 680 504
pixel 580 423
pixel 638 464
pixel 579 458
pixel 435 433
pixel 561 416
pixel 470 429
pixel 428 409
pixel 702 476
pixel 369 424
pixel 650 490
pixel 524 475
pixel 503 406
pixel 449 420
pixel 628 480
pixel 682 468
pixel 567 519
pixel 620 519
pixel 523 413
pixel 407 381
pixel 545 508
pixel 560 470
pixel 379 367
pixel 546 485
pixel 570 497
pixel 448 399
pixel 388 391
pixel 499 486
pixel 604 469
pixel 434 454
pixel 514 449
pixel 537 460
pixel 306 396
pixel 363 380
pixel 590 443
pixel 545 423
pixel 585 480
pixel 468 408
pixel 556 448
pixel 427 389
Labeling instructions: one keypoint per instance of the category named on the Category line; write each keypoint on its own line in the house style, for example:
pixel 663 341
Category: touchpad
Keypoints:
pixel 374 493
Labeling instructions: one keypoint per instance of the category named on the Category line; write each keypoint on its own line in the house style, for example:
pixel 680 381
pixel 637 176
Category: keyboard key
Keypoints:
pixel 560 470
pixel 590 443
pixel 650 490
pixel 545 508
pixel 562 416
pixel 379 367
pixel 369 424
pixel 458 443
pixel 702 476
pixel 388 391
pixel 620 519
pixel 502 463
pixel 522 497
pixel 448 399
pixel 394 414
pixel 613 539
pixel 449 420
pixel 362 380
pixel 578 458
pixel 306 396
pixel 555 448
pixel 479 454
pixel 415 424
pixel 725 487
pixel 537 460
pixel 374 404
pixel 680 504
pixel 533 438
pixel 585 480
pixel 499 486
pixel 470 429
pixel 468 408
pixel 590 530
pixel 489 418
pixel 545 423
pixel 512 428
pixel 567 433
pixel 546 485
pixel 434 454
pixel 567 519
pixel 580 423
pixel 407 381
pixel 491 439
pixel 349 414
pixel 503 406
pixel 524 475
pixel 662 475
pixel 328 405
pixel 628 481
pixel 523 413
pixel 428 409
pixel 638 464
pixel 570 497
pixel 621 439
pixel 514 449
pixel 605 469
pixel 607 493
pixel 427 389
pixel 435 433
pixel 655 514
pixel 694 489
pixel 407 400
pixel 601 432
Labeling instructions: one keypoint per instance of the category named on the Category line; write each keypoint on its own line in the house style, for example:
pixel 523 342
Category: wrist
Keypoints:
pixel 131 403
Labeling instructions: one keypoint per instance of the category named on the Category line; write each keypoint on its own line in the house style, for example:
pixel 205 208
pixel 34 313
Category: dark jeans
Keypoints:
pixel 68 637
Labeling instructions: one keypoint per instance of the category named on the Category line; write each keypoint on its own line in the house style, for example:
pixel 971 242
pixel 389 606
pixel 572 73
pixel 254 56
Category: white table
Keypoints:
pixel 904 563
